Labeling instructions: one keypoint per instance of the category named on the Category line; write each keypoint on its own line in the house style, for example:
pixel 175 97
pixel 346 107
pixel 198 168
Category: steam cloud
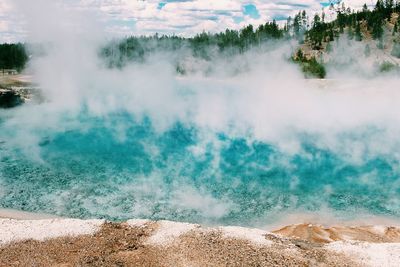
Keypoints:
pixel 268 101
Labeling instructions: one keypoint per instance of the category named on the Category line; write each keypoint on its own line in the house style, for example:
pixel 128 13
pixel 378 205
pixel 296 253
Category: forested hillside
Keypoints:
pixel 377 27
pixel 229 42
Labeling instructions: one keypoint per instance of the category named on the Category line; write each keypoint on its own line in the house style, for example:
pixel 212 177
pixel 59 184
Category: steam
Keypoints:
pixel 267 101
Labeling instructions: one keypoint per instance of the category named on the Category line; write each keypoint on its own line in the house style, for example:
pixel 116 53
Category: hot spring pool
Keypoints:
pixel 120 167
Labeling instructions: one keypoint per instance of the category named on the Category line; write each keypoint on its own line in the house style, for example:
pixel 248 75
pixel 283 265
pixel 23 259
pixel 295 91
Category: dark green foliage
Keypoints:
pixel 314 68
pixel 319 32
pixel 230 42
pixel 300 25
pixel 377 30
pixel 13 56
pixel 310 67
pixel 240 40
pixel 118 53
pixel 365 8
pixel 375 21
pixel 358 35
pixel 388 67
pixel 299 55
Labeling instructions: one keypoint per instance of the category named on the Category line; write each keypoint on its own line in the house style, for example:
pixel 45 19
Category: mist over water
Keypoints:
pixel 244 149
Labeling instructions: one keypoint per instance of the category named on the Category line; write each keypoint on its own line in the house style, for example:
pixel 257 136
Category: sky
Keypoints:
pixel 180 17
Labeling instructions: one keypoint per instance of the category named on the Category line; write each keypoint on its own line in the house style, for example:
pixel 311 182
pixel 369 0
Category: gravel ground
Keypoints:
pixel 147 243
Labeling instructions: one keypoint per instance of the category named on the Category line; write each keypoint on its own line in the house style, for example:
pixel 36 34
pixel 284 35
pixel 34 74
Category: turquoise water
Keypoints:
pixel 95 168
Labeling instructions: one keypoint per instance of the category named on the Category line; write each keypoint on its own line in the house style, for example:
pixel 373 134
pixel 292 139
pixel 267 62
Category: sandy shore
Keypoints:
pixel 45 241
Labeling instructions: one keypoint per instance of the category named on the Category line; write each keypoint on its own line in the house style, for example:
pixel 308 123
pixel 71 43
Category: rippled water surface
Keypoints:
pixel 97 168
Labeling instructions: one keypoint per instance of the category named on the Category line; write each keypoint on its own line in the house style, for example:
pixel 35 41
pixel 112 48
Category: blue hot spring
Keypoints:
pixel 121 166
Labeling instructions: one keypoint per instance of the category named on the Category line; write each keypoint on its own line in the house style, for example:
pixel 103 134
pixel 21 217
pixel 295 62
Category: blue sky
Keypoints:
pixel 181 17
pixel 251 11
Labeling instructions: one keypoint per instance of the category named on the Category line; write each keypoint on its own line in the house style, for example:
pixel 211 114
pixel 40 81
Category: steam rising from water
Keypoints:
pixel 242 149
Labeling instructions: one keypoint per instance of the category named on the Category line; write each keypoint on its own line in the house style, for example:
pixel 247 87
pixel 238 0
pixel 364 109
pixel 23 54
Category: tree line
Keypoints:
pixel 13 56
pixel 316 31
pixel 136 48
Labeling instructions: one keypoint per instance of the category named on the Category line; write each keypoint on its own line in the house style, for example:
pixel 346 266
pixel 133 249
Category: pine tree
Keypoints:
pixel 331 35
pixel 379 6
pixel 358 35
pixel 377 30
pixel 297 25
pixel 365 8
pixel 299 55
